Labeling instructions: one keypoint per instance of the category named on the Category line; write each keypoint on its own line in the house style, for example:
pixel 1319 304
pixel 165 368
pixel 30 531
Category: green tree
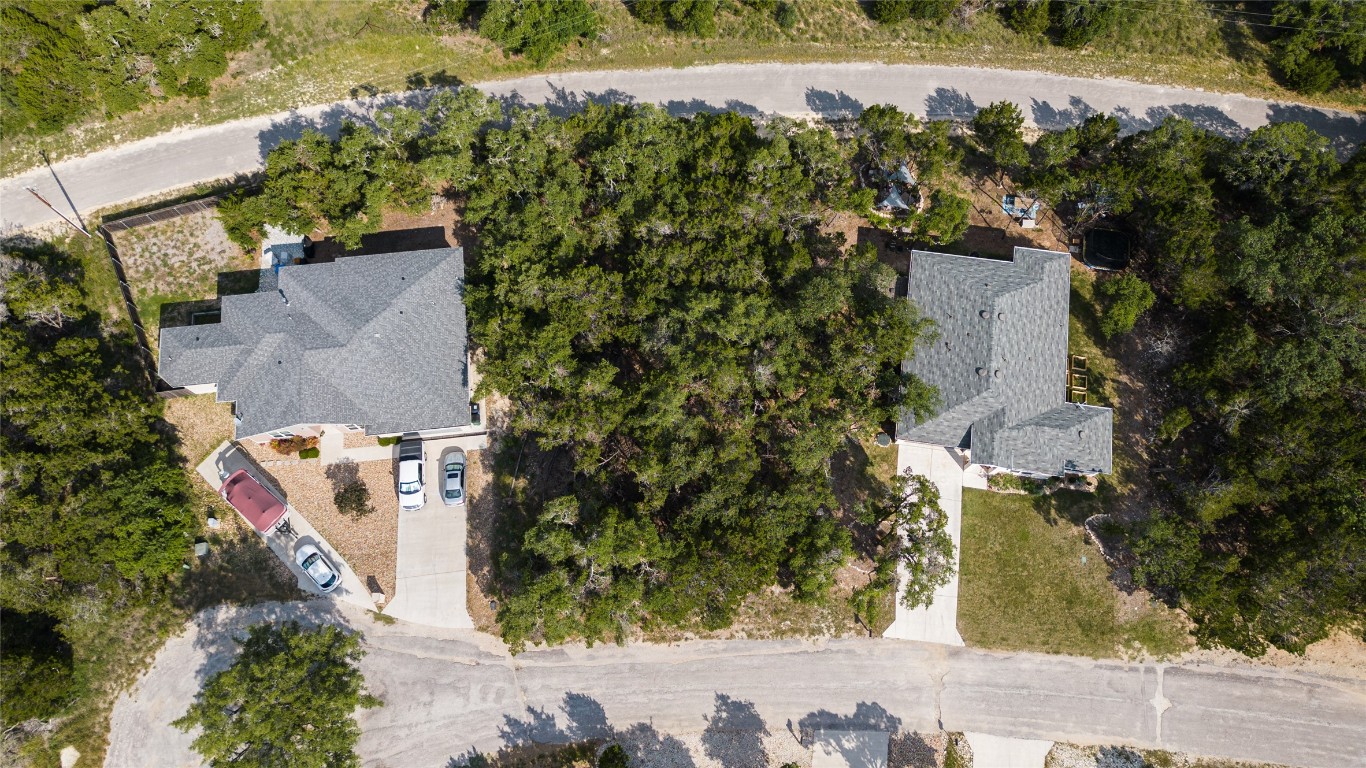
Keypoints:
pixel 1126 298
pixel 1279 164
pixel 1080 22
pixel 998 128
pixel 93 490
pixel 1028 17
pixel 35 669
pixel 614 757
pixel 1319 43
pixel 911 532
pixel 288 699
pixel 537 29
pixel 654 295
pixel 697 17
pixel 946 219
pixel 893 11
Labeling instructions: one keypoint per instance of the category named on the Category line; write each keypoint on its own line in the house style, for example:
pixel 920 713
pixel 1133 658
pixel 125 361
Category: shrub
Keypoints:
pixel 786 16
pixel 310 453
pixel 1175 422
pixel 389 440
pixel 1127 297
pixel 35 669
pixel 288 445
pixel 614 757
pixel 353 499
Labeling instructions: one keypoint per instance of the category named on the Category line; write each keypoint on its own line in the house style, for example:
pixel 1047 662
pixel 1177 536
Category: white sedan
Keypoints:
pixel 311 560
pixel 453 478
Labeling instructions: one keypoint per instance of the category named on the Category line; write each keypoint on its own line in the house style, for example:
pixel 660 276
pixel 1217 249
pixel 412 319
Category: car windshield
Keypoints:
pixel 452 493
pixel 310 560
pixel 409 487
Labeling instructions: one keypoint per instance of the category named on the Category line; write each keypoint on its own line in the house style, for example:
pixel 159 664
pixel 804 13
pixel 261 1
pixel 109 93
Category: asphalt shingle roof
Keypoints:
pixel 378 341
pixel 999 362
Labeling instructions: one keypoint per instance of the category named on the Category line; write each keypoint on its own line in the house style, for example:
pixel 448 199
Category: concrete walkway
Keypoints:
pixel 937 622
pixel 225 460
pixel 1000 752
pixel 432 561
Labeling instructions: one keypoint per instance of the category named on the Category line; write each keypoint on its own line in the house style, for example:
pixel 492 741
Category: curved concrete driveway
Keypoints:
pixel 447 691
pixel 185 157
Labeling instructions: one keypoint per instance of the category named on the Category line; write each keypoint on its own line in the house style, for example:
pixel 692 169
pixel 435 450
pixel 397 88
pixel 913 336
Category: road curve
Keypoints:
pixel 189 156
pixel 449 691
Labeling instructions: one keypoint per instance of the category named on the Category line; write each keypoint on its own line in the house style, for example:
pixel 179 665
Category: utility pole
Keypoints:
pixel 44 201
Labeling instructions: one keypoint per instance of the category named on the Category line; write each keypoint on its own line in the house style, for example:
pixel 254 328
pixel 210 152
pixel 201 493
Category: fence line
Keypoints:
pixel 164 214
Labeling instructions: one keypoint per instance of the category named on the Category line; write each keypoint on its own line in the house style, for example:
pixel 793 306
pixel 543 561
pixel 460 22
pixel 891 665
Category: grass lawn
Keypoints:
pixel 1031 581
pixel 317 51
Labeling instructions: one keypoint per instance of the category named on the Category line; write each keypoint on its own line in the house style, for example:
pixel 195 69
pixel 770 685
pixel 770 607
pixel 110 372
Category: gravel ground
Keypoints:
pixel 178 257
pixel 368 544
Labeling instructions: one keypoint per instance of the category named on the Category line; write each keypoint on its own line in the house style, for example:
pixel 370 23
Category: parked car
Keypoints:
pixel 253 501
pixel 453 478
pixel 411 473
pixel 316 566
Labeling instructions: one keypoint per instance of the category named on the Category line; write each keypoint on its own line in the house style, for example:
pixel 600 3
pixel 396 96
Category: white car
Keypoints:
pixel 453 478
pixel 411 470
pixel 311 560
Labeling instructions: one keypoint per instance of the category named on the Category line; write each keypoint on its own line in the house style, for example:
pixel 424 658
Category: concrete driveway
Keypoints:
pixel 448 691
pixel 227 459
pixel 432 561
pixel 937 622
pixel 196 155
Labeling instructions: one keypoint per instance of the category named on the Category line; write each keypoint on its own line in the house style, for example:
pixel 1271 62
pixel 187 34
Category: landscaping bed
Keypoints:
pixel 369 543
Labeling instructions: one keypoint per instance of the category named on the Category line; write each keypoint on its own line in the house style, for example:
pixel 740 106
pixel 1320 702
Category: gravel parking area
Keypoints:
pixel 369 544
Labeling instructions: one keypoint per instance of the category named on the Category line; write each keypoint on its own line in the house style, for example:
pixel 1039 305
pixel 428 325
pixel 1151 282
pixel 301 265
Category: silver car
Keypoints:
pixel 453 478
pixel 311 560
pixel 411 470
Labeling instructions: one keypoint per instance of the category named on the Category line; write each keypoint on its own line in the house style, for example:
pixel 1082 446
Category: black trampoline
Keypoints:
pixel 1105 249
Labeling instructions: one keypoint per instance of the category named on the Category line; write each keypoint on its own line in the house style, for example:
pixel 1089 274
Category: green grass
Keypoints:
pixel 1025 586
pixel 318 51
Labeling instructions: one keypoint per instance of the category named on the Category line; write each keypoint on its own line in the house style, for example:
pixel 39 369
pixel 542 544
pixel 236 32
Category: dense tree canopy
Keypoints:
pixel 1319 43
pixel 537 29
pixel 654 296
pixel 61 60
pixel 289 699
pixel 1260 247
pixel 93 490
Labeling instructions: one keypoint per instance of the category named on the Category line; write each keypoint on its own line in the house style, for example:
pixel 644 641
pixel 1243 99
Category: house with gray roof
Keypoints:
pixel 999 361
pixel 374 343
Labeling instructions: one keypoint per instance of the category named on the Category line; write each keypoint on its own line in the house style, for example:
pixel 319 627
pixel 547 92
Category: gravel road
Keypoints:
pixel 194 155
pixel 449 691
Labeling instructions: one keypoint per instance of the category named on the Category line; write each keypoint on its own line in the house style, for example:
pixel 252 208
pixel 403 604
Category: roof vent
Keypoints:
pixel 981 371
pixel 1079 433
pixel 947 345
pixel 984 314
pixel 1000 315
pixel 998 373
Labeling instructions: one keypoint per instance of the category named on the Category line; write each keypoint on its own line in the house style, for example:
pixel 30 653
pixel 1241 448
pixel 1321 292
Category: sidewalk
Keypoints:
pixel 227 459
pixel 937 622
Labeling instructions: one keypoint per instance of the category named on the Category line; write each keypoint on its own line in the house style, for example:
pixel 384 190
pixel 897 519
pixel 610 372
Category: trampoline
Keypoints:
pixel 1105 249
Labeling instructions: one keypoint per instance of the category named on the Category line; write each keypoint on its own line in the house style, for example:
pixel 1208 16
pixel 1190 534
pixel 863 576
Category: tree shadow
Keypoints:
pixel 438 79
pixel 1051 118
pixel 177 314
pixel 833 106
pixel 585 723
pixel 221 628
pixel 867 716
pixel 693 107
pixel 342 473
pixel 1345 132
pixel 734 734
pixel 853 483
pixel 950 104
pixel 388 241
pixel 563 102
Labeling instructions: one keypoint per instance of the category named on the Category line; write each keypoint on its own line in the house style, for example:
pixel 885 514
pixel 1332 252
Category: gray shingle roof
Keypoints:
pixel 378 341
pixel 999 362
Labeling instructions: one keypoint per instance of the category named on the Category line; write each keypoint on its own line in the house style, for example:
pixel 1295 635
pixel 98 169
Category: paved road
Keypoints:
pixel 448 691
pixel 190 156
